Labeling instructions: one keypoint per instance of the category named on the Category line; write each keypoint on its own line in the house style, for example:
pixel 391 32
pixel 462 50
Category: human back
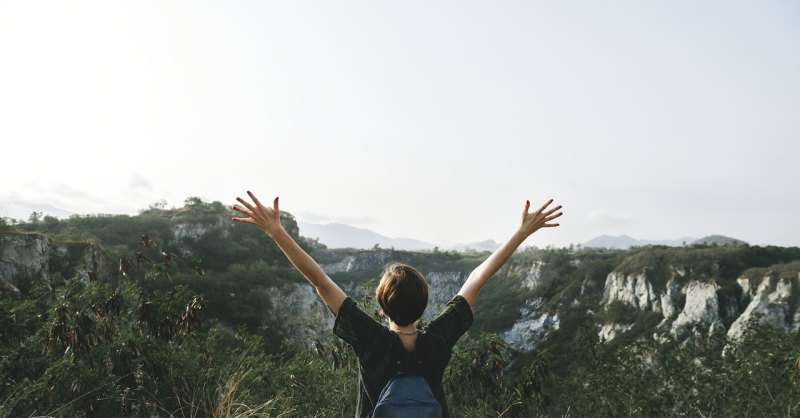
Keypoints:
pixel 375 346
pixel 379 348
pixel 408 394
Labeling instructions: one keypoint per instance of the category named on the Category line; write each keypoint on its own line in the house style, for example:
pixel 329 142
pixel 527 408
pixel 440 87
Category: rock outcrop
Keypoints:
pixel 531 328
pixel 700 312
pixel 299 312
pixel 25 258
pixel 358 261
pixel 631 289
pixel 534 275
pixel 769 305
pixel 609 330
pixel 767 300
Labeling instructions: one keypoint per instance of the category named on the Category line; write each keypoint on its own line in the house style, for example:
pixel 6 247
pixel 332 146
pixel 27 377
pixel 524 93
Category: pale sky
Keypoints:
pixel 432 120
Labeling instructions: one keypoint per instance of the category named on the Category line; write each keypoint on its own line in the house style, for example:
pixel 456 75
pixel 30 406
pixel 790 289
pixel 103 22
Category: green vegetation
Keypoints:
pixel 85 350
pixel 188 331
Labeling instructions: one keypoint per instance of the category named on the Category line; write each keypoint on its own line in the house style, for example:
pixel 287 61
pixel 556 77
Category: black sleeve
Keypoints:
pixel 357 328
pixel 453 322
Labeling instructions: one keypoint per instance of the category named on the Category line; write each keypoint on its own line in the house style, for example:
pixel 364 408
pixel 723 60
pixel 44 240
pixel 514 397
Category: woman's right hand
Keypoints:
pixel 265 218
pixel 531 222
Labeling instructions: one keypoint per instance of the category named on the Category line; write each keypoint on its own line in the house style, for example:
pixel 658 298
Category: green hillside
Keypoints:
pixel 185 328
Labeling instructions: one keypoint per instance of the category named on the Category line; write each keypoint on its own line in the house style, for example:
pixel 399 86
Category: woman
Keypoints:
pixel 403 295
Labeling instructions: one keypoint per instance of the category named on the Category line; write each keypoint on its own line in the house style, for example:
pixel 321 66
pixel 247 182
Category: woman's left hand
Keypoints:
pixel 265 218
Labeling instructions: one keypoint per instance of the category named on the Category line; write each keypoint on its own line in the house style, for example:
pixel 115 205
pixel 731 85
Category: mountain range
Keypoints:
pixel 337 235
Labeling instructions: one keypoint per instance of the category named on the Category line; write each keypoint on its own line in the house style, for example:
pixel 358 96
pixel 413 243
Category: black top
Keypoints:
pixel 373 345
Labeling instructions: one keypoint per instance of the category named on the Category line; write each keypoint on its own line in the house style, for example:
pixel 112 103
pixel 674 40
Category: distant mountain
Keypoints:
pixel 21 210
pixel 487 245
pixel 625 242
pixel 345 236
pixel 719 240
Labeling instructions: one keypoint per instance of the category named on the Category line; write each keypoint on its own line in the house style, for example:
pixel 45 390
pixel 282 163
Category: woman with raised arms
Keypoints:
pixel 403 296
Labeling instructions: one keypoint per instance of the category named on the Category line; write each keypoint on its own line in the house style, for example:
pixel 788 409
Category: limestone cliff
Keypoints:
pixel 631 289
pixel 25 258
pixel 770 303
pixel 770 298
pixel 684 294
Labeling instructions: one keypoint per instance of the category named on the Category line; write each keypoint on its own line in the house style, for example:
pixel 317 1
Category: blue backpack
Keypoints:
pixel 407 395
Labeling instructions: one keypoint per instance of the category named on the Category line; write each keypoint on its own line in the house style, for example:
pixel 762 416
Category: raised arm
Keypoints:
pixel 531 222
pixel 269 220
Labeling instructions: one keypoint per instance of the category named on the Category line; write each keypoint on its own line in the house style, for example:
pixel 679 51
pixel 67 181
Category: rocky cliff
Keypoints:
pixel 685 293
pixel 26 258
pixel 692 307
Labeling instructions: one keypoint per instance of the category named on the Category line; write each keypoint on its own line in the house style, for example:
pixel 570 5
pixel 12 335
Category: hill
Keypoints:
pixel 338 235
pixel 146 313
pixel 718 240
pixel 624 242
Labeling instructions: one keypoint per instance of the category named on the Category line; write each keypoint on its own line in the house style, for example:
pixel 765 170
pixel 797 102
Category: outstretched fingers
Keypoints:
pixel 243 211
pixel 551 211
pixel 255 199
pixel 550 216
pixel 246 204
pixel 546 204
pixel 246 212
pixel 245 220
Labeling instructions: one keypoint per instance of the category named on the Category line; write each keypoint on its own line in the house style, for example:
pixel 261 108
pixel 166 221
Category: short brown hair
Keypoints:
pixel 402 293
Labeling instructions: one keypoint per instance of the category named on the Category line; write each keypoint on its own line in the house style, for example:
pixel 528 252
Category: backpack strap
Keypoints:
pixel 399 356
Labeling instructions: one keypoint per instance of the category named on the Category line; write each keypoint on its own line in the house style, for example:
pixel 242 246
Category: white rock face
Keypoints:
pixel 299 311
pixel 701 308
pixel 23 254
pixel 534 275
pixel 442 287
pixel 25 257
pixel 532 328
pixel 365 260
pixel 668 309
pixel 346 264
pixel 610 330
pixel 633 289
pixel 768 306
pixel 796 320
pixel 747 288
pixel 189 230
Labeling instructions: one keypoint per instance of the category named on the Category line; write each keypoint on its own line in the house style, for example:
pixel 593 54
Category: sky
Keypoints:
pixel 429 120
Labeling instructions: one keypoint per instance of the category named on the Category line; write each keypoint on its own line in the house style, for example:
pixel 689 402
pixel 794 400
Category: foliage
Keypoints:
pixel 188 330
pixel 143 352
pixel 618 312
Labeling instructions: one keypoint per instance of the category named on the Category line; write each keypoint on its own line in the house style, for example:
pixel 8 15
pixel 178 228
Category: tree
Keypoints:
pixel 193 201
pixel 35 217
pixel 160 205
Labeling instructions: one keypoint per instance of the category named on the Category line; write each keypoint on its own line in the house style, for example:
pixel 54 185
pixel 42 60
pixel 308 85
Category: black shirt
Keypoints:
pixel 374 344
